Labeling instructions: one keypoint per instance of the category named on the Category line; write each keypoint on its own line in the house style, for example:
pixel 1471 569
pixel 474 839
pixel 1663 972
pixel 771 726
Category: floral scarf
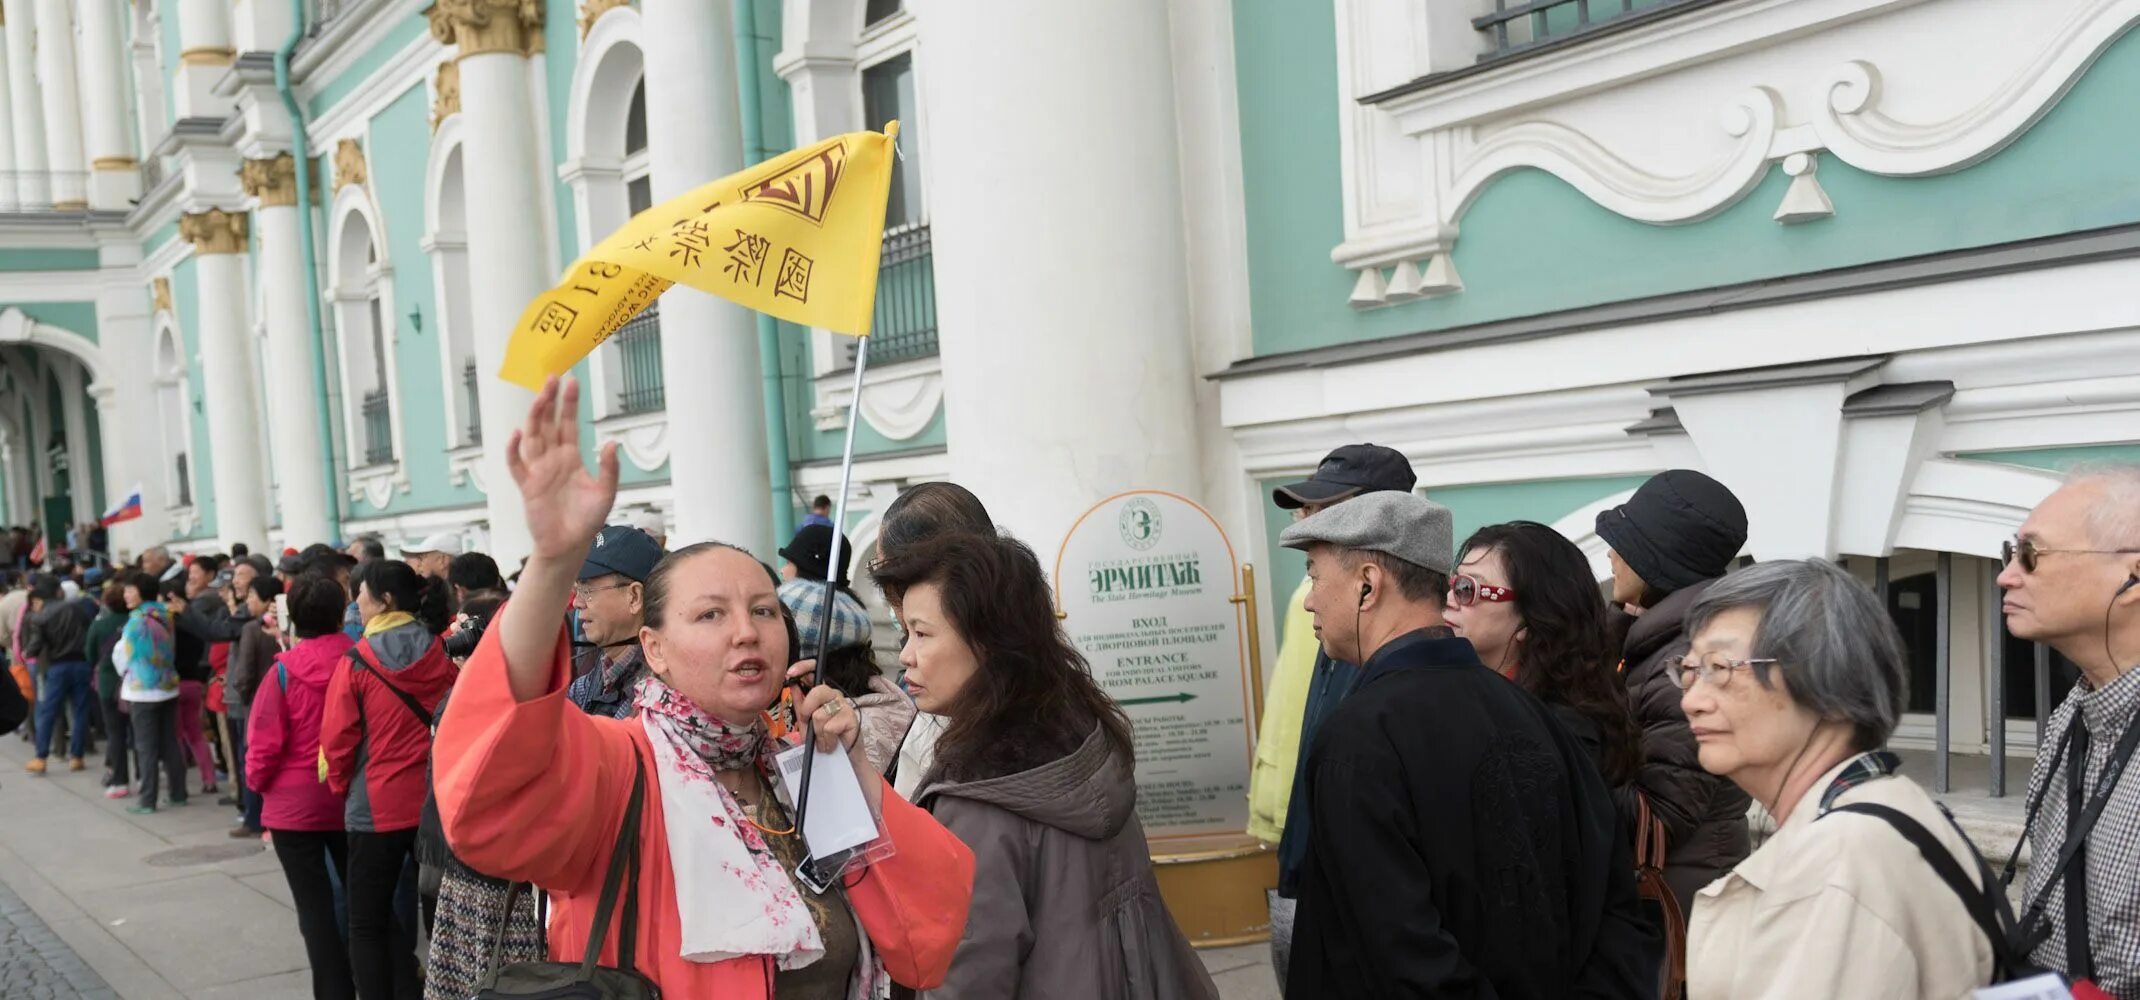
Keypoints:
pixel 733 898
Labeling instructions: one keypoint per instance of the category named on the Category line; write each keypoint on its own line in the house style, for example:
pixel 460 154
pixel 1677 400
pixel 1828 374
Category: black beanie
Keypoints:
pixel 1679 529
pixel 811 551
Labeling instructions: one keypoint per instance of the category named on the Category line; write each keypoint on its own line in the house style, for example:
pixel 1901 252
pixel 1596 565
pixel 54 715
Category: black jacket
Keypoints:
pixel 57 633
pixel 1463 846
pixel 1704 815
pixel 14 708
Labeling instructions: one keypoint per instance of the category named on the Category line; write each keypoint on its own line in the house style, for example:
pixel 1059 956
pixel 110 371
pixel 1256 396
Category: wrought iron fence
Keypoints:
pixel 185 481
pixel 471 400
pixel 904 327
pixel 378 429
pixel 1527 25
pixel 639 360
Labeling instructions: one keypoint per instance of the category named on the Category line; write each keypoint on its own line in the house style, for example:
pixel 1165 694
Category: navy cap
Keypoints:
pixel 623 550
pixel 1348 472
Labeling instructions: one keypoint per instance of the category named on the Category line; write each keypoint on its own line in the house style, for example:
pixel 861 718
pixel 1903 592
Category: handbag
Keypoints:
pixel 1657 898
pixel 584 980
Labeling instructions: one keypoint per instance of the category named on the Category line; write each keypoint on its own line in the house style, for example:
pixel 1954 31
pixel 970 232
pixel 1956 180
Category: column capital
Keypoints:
pixel 215 230
pixel 480 26
pixel 273 180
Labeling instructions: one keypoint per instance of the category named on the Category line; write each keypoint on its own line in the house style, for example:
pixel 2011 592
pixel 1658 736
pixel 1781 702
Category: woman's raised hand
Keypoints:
pixel 565 503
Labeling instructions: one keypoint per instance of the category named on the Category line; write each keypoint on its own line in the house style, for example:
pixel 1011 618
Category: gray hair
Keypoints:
pixel 2114 522
pixel 1838 647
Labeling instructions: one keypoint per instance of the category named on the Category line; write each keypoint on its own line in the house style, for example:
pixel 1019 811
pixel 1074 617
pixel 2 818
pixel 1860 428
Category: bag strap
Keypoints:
pixel 1973 898
pixel 2028 815
pixel 625 855
pixel 366 660
pixel 1650 849
pixel 2034 927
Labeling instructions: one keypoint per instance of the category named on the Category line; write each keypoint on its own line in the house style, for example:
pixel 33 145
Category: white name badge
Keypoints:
pixel 2044 987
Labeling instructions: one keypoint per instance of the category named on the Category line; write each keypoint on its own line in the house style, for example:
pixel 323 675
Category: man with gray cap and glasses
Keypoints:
pixel 1462 841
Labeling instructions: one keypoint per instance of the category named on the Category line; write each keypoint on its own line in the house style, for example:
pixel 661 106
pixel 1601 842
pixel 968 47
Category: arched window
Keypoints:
pixel 364 319
pixel 174 411
pixel 610 173
pixel 447 243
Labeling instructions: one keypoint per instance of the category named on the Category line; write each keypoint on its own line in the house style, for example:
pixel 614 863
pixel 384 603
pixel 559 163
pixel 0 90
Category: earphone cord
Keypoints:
pixel 2110 656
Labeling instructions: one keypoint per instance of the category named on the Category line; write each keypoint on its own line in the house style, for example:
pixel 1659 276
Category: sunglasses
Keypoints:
pixel 1465 591
pixel 2026 551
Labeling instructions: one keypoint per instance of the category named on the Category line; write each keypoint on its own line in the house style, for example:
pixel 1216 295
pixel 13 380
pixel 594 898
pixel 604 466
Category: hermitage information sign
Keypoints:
pixel 1145 582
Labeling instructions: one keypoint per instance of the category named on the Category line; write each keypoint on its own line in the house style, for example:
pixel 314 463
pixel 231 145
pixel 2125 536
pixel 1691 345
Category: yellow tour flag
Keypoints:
pixel 797 236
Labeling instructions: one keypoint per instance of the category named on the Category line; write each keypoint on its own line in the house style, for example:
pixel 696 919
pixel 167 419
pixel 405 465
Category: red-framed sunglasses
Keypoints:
pixel 1465 591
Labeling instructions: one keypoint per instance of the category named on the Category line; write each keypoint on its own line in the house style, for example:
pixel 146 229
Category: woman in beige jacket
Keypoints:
pixel 1792 687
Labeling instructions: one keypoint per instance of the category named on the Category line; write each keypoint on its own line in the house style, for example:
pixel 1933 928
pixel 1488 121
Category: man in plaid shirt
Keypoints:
pixel 2072 580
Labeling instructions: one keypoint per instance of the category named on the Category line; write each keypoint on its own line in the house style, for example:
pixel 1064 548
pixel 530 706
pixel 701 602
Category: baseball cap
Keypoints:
pixel 1348 472
pixel 445 541
pixel 623 550
pixel 1404 525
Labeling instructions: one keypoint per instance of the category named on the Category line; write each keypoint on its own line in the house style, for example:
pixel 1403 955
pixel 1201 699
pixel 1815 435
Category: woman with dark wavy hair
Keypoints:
pixel 1523 595
pixel 922 511
pixel 1036 772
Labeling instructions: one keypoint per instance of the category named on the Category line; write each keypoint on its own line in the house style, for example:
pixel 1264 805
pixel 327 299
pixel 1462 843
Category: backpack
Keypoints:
pixel 149 655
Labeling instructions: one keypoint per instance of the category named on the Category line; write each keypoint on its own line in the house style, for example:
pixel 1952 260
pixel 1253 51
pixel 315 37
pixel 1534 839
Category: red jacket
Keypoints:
pixel 376 744
pixel 282 748
pixel 536 791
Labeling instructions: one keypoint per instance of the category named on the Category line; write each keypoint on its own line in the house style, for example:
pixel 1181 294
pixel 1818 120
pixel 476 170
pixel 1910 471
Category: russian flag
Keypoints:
pixel 128 509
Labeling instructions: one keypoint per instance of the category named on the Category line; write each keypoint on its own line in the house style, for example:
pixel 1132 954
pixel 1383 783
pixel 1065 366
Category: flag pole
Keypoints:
pixel 832 575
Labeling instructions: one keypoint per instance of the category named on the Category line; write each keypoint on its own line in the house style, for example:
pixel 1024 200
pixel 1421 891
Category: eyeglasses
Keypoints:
pixel 583 592
pixel 1716 668
pixel 1465 591
pixel 2026 551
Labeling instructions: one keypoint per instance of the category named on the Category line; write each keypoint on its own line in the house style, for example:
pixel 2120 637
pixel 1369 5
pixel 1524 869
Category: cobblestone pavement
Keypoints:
pixel 35 964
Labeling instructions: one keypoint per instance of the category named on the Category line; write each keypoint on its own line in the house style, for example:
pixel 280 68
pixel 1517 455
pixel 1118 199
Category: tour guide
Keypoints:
pixel 532 789
pixel 1461 838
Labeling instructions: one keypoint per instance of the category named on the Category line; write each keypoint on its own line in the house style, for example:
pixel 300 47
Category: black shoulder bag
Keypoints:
pixel 1985 903
pixel 584 980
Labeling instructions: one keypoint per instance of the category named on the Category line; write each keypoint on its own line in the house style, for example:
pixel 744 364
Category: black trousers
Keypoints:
pixel 156 739
pixel 306 856
pixel 382 956
pixel 118 744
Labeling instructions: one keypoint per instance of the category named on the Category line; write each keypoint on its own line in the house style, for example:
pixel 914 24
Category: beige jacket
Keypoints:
pixel 1840 906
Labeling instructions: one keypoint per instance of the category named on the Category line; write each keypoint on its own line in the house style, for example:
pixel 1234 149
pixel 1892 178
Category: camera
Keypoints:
pixel 462 643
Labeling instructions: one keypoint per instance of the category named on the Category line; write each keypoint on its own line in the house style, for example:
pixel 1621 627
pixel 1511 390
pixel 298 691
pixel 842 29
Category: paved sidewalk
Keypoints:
pixel 95 903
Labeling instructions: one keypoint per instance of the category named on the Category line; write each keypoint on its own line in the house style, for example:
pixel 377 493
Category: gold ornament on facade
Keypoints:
pixel 446 96
pixel 592 11
pixel 480 26
pixel 215 231
pixel 160 295
pixel 209 55
pixel 349 165
pixel 273 180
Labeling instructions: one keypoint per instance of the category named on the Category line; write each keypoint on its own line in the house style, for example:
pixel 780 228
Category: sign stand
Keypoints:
pixel 832 571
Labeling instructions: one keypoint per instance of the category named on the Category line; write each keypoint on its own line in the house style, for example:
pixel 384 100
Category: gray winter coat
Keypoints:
pixel 1064 901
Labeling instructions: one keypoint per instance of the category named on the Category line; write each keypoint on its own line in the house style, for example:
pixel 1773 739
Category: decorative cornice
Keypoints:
pixel 592 11
pixel 445 93
pixel 209 55
pixel 272 180
pixel 160 295
pixel 214 231
pixel 483 26
pixel 349 166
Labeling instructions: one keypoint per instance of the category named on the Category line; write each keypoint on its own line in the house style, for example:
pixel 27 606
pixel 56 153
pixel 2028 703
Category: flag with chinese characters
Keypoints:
pixel 797 236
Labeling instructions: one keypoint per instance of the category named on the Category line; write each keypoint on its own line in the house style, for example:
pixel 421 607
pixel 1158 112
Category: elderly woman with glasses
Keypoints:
pixel 1792 686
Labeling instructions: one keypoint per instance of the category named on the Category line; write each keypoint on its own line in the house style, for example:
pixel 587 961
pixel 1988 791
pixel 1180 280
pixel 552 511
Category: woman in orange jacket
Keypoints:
pixel 529 788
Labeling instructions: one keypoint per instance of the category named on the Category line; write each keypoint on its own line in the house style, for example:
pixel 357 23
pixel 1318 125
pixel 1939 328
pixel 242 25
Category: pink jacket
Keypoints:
pixel 282 747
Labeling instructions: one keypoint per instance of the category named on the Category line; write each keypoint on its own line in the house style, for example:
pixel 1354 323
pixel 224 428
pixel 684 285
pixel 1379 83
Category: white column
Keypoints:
pixel 1067 374
pixel 81 481
pixel 14 454
pixel 116 469
pixel 709 351
pixel 505 184
pixel 115 176
pixel 58 87
pixel 10 197
pixel 33 186
pixel 204 52
pixel 292 409
pixel 219 239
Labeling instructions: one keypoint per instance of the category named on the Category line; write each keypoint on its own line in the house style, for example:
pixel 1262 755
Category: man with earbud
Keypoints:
pixel 2072 581
pixel 1462 842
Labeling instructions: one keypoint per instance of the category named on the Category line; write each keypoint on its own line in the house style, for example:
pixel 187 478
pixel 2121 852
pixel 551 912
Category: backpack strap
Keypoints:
pixel 1987 908
pixel 366 659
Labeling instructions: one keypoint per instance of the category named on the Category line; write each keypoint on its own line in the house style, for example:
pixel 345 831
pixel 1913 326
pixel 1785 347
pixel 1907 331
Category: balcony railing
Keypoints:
pixel 185 481
pixel 1519 27
pixel 639 361
pixel 905 324
pixel 378 429
pixel 471 401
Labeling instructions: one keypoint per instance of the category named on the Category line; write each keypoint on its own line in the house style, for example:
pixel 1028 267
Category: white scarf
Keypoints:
pixel 732 897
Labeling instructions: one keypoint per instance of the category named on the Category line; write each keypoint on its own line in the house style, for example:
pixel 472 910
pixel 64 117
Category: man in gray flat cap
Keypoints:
pixel 1462 842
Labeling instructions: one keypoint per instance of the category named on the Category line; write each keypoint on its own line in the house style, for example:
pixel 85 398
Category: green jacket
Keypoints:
pixel 103 634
